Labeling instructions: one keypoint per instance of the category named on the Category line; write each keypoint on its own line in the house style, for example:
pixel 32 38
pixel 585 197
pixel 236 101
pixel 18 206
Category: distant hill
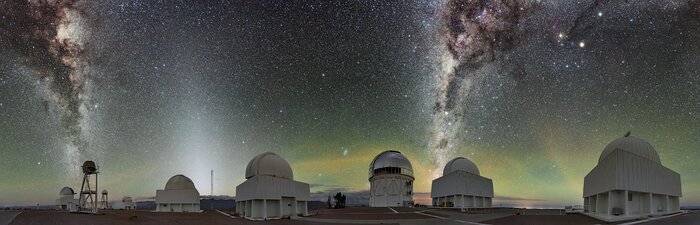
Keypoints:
pixel 218 204
pixel 146 205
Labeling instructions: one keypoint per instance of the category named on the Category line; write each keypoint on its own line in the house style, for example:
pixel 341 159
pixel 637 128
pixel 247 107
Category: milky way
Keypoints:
pixel 54 32
pixel 474 33
pixel 530 91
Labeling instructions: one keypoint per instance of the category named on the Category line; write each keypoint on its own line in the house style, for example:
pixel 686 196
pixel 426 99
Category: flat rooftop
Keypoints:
pixel 403 216
pixel 119 217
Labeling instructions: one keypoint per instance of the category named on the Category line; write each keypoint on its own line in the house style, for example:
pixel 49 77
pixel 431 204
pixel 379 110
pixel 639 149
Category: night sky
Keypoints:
pixel 531 91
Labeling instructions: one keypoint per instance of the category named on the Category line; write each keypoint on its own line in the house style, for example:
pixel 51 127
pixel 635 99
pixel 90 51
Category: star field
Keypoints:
pixel 187 87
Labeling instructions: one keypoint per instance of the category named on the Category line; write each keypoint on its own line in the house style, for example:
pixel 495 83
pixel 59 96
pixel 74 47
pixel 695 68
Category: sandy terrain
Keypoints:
pixel 115 217
pixel 545 220
pixel 404 216
pixel 368 214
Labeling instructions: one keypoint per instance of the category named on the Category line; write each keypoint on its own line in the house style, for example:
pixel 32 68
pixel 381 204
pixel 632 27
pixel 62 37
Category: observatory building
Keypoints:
pixel 390 180
pixel 179 195
pixel 462 186
pixel 629 181
pixel 125 203
pixel 87 202
pixel 66 200
pixel 270 191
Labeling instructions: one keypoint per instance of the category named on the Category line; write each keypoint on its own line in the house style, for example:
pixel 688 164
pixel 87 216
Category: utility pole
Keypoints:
pixel 212 190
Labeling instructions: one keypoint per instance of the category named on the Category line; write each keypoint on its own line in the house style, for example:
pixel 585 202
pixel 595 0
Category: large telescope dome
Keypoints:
pixel 460 164
pixel 67 191
pixel 390 162
pixel 269 164
pixel 179 182
pixel 632 145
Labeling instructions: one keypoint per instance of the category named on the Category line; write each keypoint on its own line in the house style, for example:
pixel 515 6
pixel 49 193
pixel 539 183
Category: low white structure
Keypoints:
pixel 390 180
pixel 270 191
pixel 630 182
pixel 126 203
pixel 179 195
pixel 462 186
pixel 66 200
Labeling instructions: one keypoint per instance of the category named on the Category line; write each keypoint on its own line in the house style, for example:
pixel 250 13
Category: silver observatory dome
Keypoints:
pixel 269 164
pixel 632 145
pixel 461 164
pixel 390 162
pixel 179 182
pixel 67 191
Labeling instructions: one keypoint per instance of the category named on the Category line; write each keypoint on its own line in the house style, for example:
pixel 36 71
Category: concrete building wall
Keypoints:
pixel 638 203
pixel 178 200
pixel 268 187
pixel 288 206
pixel 659 203
pixel 463 201
pixel 274 208
pixel 391 190
pixel 67 202
pixel 461 189
pixel 675 204
pixel 625 185
pixel 178 207
pixel 266 197
pixel 462 183
pixel 622 170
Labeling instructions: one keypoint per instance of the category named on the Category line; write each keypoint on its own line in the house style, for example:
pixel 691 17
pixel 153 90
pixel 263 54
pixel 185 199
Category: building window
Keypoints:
pixel 387 170
pixel 629 197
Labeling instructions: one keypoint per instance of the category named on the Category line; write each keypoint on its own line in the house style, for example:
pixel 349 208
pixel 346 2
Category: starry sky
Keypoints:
pixel 529 90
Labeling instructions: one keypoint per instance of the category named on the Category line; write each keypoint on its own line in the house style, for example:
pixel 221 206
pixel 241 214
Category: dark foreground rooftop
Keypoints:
pixel 118 217
pixel 403 216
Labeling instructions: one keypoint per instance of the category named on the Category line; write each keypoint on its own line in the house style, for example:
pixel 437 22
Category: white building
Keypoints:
pixel 390 180
pixel 179 195
pixel 462 186
pixel 66 200
pixel 125 203
pixel 629 182
pixel 270 191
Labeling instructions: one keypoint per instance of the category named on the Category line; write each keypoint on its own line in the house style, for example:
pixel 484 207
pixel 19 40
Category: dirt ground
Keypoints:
pixel 367 214
pixel 118 217
pixel 410 216
pixel 575 219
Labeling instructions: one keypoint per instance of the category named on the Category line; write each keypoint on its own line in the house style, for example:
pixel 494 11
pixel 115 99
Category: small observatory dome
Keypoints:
pixel 179 182
pixel 67 191
pixel 632 145
pixel 269 164
pixel 460 164
pixel 390 162
pixel 89 167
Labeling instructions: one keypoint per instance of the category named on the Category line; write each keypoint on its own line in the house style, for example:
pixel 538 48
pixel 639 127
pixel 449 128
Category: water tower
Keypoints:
pixel 105 200
pixel 88 196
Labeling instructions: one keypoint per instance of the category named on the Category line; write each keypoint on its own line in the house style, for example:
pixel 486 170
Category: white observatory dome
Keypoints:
pixel 67 191
pixel 391 159
pixel 179 182
pixel 460 164
pixel 269 164
pixel 632 145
